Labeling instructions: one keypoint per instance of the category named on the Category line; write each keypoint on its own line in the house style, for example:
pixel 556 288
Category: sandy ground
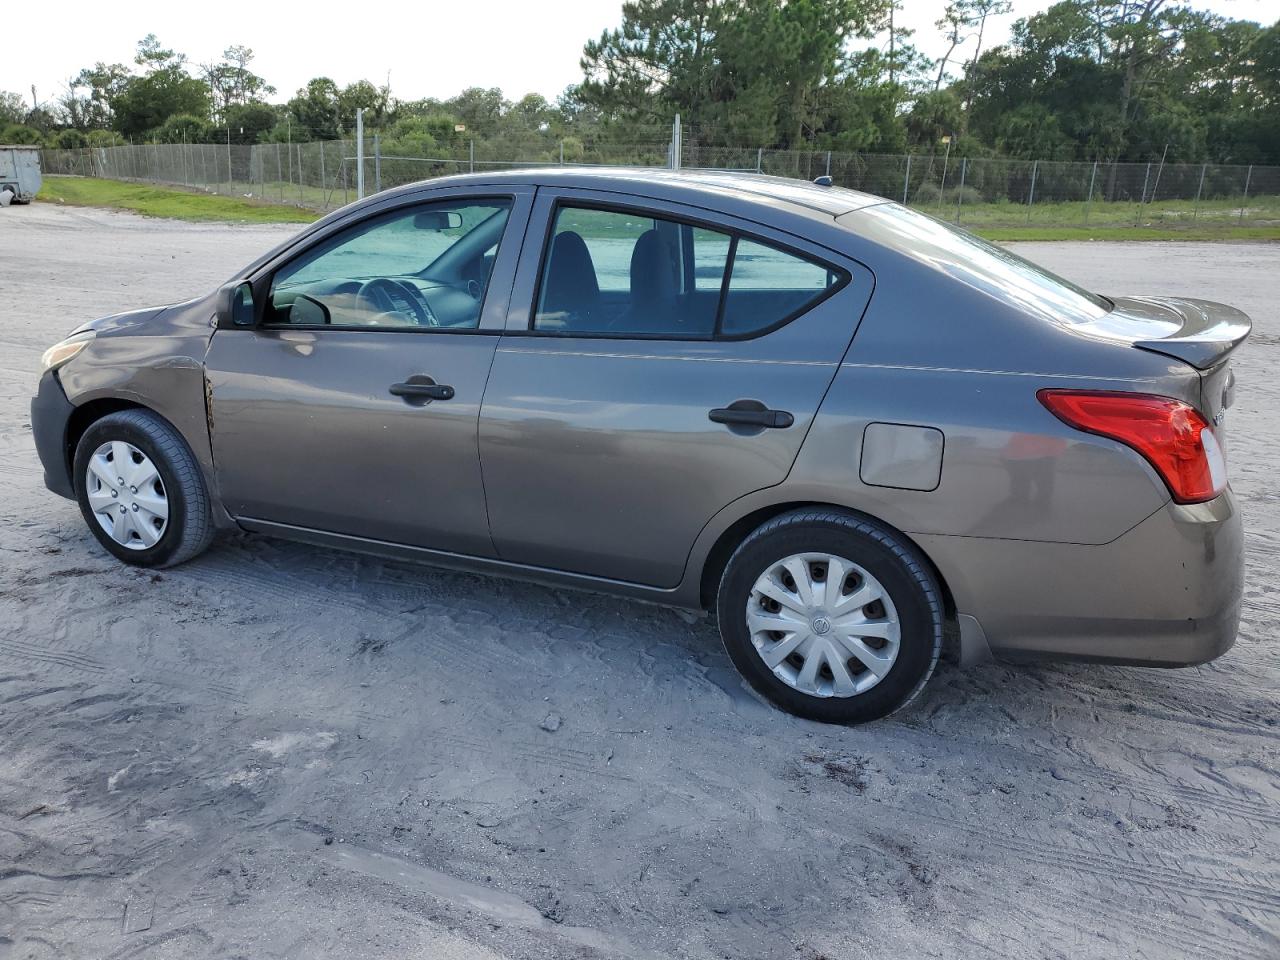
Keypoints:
pixel 279 751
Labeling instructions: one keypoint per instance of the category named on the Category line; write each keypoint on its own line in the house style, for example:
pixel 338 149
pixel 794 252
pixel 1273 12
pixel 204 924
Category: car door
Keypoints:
pixel 351 406
pixel 659 363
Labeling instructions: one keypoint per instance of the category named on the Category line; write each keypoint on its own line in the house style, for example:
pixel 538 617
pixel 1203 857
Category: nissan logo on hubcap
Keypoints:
pixel 821 625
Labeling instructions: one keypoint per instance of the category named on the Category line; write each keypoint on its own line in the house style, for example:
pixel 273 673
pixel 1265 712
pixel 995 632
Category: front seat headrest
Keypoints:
pixel 571 289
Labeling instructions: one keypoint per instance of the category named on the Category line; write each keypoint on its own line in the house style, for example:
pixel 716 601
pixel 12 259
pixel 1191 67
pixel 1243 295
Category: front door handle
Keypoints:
pixel 751 413
pixel 419 390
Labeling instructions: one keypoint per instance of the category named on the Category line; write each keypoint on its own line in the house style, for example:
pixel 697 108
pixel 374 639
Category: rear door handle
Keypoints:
pixel 751 413
pixel 419 390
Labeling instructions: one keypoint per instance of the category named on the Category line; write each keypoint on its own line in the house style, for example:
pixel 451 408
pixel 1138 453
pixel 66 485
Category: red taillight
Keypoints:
pixel 1172 435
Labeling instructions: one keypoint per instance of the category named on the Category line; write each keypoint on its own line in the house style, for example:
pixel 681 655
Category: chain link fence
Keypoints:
pixel 976 192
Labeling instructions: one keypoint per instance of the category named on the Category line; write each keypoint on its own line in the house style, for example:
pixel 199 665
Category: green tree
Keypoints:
pixel 21 134
pixel 164 90
pixel 314 109
pixel 481 109
pixel 13 109
pixel 1226 81
pixel 804 41
pixel 68 138
pixel 376 102
pixel 248 122
pixel 703 59
pixel 183 128
pixel 86 104
pixel 934 114
pixel 231 82
pixel 661 60
pixel 1119 78
pixel 860 110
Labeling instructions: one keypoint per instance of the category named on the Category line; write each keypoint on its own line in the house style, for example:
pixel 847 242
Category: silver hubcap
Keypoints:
pixel 823 625
pixel 126 495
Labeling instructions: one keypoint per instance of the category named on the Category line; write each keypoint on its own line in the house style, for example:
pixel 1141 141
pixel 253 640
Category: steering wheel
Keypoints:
pixel 378 294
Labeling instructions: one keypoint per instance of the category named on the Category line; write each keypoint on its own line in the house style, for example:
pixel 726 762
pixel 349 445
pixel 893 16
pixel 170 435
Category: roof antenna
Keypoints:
pixel 823 181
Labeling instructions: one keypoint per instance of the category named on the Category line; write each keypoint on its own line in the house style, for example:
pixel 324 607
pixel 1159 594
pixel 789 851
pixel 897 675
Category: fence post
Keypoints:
pixel 1089 201
pixel 323 182
pixel 828 163
pixel 1195 210
pixel 301 197
pixel 1142 201
pixel 562 153
pixel 676 145
pixel 942 187
pixel 1155 187
pixel 1031 194
pixel 360 153
pixel 1245 200
pixel 906 181
pixel 279 172
pixel 472 155
pixel 964 168
pixel 377 164
pixel 759 159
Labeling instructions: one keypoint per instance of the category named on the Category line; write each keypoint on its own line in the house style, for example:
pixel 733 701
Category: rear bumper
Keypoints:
pixel 50 413
pixel 1167 593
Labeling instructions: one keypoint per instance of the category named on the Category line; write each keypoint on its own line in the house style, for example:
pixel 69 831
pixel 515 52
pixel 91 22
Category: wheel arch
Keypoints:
pixel 732 536
pixel 84 416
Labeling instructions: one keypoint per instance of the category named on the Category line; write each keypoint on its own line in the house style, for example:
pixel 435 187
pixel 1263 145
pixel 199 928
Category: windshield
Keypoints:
pixel 986 266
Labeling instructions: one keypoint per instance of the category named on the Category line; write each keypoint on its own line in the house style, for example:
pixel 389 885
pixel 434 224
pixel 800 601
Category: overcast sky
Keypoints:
pixel 430 49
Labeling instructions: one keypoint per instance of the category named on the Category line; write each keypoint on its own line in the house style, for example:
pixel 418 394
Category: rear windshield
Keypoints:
pixel 992 269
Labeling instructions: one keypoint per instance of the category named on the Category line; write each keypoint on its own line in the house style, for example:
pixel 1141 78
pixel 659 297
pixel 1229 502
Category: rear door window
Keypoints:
pixel 616 273
pixel 624 273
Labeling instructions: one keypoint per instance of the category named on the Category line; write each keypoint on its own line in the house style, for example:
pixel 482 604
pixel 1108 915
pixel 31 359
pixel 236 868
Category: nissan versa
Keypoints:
pixel 842 425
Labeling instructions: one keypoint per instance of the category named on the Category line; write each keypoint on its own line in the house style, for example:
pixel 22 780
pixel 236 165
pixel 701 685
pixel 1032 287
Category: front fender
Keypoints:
pixel 153 360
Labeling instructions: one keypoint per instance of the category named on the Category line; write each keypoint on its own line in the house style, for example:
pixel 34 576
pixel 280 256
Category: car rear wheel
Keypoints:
pixel 141 491
pixel 830 616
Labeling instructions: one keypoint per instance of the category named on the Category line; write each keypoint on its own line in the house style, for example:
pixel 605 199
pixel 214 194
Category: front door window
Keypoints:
pixel 420 268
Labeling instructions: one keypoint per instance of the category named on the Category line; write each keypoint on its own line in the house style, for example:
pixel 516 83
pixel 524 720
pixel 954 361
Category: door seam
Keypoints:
pixel 493 359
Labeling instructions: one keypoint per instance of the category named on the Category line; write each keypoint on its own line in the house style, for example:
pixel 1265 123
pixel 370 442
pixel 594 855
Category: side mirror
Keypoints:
pixel 437 220
pixel 309 312
pixel 235 306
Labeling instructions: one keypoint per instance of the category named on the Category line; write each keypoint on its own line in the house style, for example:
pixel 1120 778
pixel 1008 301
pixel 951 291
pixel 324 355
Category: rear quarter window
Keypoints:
pixel 768 285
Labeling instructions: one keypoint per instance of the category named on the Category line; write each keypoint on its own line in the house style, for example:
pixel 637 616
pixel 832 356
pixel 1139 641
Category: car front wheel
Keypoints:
pixel 830 616
pixel 141 491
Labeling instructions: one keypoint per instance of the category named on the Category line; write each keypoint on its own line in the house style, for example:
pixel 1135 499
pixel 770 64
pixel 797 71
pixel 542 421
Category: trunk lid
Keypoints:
pixel 1200 333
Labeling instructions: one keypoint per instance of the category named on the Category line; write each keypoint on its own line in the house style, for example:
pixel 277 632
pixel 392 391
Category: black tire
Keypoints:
pixel 190 524
pixel 899 567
